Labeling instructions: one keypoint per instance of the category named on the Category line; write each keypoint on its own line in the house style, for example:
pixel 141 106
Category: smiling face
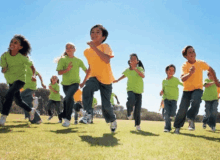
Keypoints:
pixel 54 79
pixel 70 49
pixel 133 61
pixel 191 55
pixel 96 35
pixel 15 45
pixel 170 72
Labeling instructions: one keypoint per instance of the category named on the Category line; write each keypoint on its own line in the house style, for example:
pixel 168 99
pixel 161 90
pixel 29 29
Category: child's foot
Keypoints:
pixel 32 112
pixel 129 117
pixel 113 126
pixel 83 120
pixel 39 122
pixel 204 126
pixel 76 122
pixel 50 118
pixel 66 123
pixel 2 120
pixel 177 131
pixel 60 121
pixel 213 129
pixel 166 130
pixel 89 118
pixel 191 125
pixel 138 128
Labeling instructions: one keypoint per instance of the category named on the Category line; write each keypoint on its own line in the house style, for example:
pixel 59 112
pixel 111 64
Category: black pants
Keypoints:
pixel 14 92
pixel 57 108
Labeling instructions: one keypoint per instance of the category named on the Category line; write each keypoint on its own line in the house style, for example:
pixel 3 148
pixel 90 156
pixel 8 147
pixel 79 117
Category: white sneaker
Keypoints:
pixel 32 112
pixel 113 126
pixel 89 118
pixel 60 121
pixel 39 122
pixel 2 120
pixel 66 123
pixel 166 130
pixel 213 129
pixel 138 128
pixel 191 125
pixel 130 117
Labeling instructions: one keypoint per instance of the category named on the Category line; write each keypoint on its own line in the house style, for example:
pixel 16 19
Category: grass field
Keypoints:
pixel 21 140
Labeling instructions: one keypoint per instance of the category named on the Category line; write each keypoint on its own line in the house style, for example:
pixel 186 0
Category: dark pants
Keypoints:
pixel 57 108
pixel 169 111
pixel 93 85
pixel 14 92
pixel 68 102
pixel 26 95
pixel 134 100
pixel 211 112
pixel 193 97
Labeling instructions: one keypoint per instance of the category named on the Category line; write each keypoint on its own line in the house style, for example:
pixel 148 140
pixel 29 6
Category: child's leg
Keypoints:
pixel 213 113
pixel 107 110
pixel 76 116
pixel 92 85
pixel 181 114
pixel 50 103
pixel 196 100
pixel 130 103
pixel 57 108
pixel 207 112
pixel 68 100
pixel 167 113
pixel 26 96
pixel 137 109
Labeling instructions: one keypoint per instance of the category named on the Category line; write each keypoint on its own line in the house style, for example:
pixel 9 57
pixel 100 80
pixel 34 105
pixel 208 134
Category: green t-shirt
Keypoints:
pixel 16 67
pixel 94 102
pixel 170 88
pixel 29 84
pixel 72 76
pixel 55 96
pixel 112 99
pixel 135 82
pixel 210 93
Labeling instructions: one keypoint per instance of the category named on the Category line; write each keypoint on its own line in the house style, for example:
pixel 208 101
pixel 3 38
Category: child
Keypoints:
pixel 28 90
pixel 100 72
pixel 13 63
pixel 68 66
pixel 112 100
pixel 210 96
pixel 78 104
pixel 192 75
pixel 170 94
pixel 135 88
pixel 54 98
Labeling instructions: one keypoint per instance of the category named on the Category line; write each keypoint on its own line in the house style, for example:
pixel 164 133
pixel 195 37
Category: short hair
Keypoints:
pixel 24 43
pixel 184 51
pixel 171 65
pixel 104 31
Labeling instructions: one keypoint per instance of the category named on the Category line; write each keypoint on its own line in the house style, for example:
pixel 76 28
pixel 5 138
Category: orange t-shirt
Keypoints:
pixel 99 69
pixel 218 90
pixel 196 80
pixel 78 96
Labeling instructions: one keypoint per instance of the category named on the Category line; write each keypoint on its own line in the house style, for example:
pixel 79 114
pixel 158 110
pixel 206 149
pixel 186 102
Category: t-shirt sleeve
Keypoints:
pixel 126 73
pixel 82 65
pixel 179 82
pixel 141 69
pixel 60 65
pixel 205 82
pixel 204 66
pixel 184 69
pixel 107 50
pixel 27 61
pixel 3 62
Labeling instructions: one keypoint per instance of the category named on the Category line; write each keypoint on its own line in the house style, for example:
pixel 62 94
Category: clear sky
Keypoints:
pixel 156 30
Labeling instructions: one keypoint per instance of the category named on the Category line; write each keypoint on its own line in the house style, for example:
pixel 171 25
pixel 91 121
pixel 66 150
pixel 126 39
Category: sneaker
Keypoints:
pixel 130 117
pixel 213 129
pixel 89 118
pixel 177 131
pixel 76 122
pixel 2 120
pixel 84 119
pixel 113 126
pixel 204 126
pixel 166 130
pixel 32 112
pixel 60 121
pixel 39 122
pixel 66 123
pixel 91 122
pixel 138 128
pixel 50 118
pixel 191 125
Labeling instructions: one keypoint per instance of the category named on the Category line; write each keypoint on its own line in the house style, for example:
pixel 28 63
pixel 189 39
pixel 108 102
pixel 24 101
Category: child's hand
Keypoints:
pixel 4 69
pixel 91 44
pixel 70 65
pixel 115 81
pixel 50 87
pixel 192 70
pixel 33 78
pixel 43 86
pixel 81 85
pixel 133 65
pixel 161 93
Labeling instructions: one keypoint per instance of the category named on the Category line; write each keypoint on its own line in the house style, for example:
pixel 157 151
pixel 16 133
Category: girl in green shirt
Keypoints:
pixel 13 63
pixel 135 88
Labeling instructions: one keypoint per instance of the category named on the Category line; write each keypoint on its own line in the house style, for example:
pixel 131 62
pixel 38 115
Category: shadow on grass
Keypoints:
pixel 65 131
pixel 50 123
pixel 19 121
pixel 216 131
pixel 8 128
pixel 144 133
pixel 203 137
pixel 107 140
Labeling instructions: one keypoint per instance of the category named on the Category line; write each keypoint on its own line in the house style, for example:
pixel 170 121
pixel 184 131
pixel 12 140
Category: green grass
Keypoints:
pixel 21 140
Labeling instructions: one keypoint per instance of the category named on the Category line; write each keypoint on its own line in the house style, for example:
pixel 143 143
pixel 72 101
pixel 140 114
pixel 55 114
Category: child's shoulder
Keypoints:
pixel 4 54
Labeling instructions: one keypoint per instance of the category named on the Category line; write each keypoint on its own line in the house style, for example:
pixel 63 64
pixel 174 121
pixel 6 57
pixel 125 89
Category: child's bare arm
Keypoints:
pixel 34 75
pixel 209 84
pixel 41 80
pixel 66 70
pixel 212 72
pixel 122 77
pixel 53 90
pixel 86 77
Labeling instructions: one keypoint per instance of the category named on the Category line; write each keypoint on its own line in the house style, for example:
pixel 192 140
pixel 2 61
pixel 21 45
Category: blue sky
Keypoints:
pixel 156 30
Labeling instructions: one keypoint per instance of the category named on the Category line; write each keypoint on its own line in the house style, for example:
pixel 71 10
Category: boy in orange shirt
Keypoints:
pixel 192 78
pixel 100 73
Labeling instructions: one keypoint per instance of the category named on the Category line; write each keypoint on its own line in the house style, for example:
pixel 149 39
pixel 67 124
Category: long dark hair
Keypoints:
pixel 24 43
pixel 140 64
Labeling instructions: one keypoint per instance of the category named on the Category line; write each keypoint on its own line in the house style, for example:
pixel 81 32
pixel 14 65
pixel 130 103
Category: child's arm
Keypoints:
pixel 139 72
pixel 86 77
pixel 61 72
pixel 34 75
pixel 122 77
pixel 42 83
pixel 117 99
pixel 212 72
pixel 53 90
pixel 209 84
pixel 102 55
pixel 184 77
